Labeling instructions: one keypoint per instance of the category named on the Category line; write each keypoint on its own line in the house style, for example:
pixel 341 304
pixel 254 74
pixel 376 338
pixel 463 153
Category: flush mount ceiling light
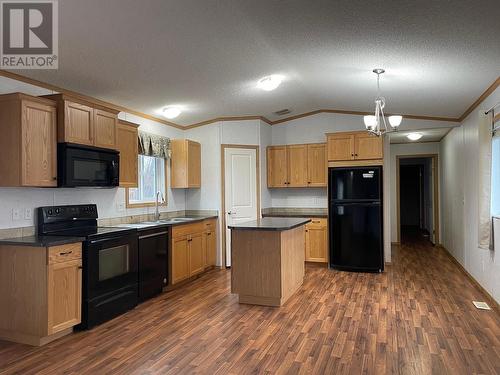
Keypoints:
pixel 376 123
pixel 414 136
pixel 270 83
pixel 171 112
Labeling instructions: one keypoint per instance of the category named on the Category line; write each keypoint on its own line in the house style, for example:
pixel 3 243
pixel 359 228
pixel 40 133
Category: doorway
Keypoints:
pixel 417 198
pixel 240 190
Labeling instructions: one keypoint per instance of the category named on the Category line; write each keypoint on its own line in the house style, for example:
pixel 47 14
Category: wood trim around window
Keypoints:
pixel 149 204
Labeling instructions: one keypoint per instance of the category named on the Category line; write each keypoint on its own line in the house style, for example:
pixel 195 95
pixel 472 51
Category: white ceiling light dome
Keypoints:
pixel 171 112
pixel 270 83
pixel 414 136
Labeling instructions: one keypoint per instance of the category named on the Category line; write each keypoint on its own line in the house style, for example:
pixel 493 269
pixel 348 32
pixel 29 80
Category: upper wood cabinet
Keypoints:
pixel 28 141
pixel 84 123
pixel 126 142
pixel 361 145
pixel 297 165
pixel 316 165
pixel 185 164
pixel 277 166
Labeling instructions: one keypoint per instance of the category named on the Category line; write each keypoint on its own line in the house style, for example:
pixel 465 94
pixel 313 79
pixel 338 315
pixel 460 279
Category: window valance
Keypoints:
pixel 154 145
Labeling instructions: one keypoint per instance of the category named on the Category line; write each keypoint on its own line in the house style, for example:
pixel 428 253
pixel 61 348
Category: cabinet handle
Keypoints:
pixel 54 178
pixel 80 267
pixel 307 230
pixel 66 252
pixel 355 154
pixel 209 234
pixel 308 182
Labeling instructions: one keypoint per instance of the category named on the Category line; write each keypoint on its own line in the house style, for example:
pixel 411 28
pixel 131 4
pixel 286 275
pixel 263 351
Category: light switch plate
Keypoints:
pixel 28 213
pixel 15 214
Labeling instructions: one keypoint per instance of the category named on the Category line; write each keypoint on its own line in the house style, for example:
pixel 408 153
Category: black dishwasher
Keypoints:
pixel 153 261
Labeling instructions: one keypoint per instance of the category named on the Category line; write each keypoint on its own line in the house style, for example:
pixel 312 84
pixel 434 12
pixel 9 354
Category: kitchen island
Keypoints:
pixel 267 259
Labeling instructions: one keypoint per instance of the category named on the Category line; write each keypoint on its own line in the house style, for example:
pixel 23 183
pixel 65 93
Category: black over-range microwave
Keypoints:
pixel 79 166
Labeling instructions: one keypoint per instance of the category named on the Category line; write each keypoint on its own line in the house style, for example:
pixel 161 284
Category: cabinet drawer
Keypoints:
pixel 186 229
pixel 317 223
pixel 209 225
pixel 64 253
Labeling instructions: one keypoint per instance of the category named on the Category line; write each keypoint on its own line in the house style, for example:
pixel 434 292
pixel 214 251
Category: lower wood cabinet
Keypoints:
pixel 41 292
pixel 192 250
pixel 317 241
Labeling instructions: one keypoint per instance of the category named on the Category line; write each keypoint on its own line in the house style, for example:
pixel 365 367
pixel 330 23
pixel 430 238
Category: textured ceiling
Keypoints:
pixel 207 55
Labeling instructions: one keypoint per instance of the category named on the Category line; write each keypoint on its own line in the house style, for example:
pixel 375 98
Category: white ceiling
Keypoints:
pixel 207 55
pixel 428 135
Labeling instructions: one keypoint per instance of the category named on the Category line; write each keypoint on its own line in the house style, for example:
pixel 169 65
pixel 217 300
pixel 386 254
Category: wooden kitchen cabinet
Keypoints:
pixel 317 241
pixel 179 260
pixel 105 124
pixel 193 248
pixel 185 164
pixel 126 142
pixel 277 166
pixel 297 166
pixel 317 167
pixel 196 254
pixel 41 292
pixel 346 146
pixel 64 295
pixel 210 236
pixel 84 123
pixel 28 141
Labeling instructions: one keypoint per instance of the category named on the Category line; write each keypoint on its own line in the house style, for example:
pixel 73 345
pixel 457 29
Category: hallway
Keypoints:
pixel 416 318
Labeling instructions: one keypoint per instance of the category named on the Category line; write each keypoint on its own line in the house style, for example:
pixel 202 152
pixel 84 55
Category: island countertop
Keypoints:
pixel 271 224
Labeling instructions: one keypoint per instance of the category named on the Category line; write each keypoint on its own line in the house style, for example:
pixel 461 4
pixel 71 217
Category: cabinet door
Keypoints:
pixel 210 248
pixel 180 259
pixel 316 165
pixel 104 129
pixel 196 254
pixel 194 164
pixel 340 147
pixel 368 146
pixel 316 244
pixel 277 170
pixel 126 142
pixel 39 145
pixel 64 295
pixel 297 165
pixel 78 124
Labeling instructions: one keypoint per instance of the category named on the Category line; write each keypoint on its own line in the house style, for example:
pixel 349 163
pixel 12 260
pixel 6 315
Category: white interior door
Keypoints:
pixel 240 189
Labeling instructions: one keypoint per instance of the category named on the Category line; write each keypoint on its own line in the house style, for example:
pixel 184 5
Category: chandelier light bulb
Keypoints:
pixel 370 122
pixel 395 120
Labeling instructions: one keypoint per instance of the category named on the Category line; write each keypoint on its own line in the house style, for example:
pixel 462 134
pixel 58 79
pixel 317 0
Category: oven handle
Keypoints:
pixel 153 235
pixel 104 240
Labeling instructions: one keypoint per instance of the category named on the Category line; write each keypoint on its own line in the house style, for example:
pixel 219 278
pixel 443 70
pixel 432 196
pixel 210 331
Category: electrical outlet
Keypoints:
pixel 120 206
pixel 28 213
pixel 15 214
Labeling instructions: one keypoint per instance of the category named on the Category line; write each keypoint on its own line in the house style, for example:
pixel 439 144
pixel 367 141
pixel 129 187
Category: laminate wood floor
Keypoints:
pixel 416 318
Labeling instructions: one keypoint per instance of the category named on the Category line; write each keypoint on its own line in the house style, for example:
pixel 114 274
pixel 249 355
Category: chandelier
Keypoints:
pixel 376 124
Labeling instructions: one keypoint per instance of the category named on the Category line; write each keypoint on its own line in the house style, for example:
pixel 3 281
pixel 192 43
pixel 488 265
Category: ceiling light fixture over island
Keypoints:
pixel 267 259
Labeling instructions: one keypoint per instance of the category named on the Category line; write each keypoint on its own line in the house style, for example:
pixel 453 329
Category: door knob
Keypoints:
pixel 229 212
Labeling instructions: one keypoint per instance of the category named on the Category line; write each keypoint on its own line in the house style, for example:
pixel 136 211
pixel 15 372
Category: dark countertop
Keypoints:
pixel 323 216
pixel 40 241
pixel 270 223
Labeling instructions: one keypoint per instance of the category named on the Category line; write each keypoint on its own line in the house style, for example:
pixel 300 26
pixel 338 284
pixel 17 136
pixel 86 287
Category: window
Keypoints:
pixel 151 171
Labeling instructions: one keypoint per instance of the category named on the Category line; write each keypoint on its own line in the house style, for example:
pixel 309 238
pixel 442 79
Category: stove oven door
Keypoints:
pixel 110 278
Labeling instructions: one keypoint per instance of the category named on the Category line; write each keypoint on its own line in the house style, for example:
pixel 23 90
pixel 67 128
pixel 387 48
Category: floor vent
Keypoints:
pixel 481 305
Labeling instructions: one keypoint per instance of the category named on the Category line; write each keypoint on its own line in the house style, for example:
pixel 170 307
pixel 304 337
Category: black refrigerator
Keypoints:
pixel 355 219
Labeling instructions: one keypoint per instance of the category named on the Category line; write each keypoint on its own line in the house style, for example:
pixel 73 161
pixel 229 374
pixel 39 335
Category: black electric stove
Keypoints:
pixel 110 260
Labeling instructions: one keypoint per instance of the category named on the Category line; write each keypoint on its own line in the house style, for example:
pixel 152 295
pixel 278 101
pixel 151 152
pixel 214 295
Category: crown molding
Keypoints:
pixel 92 100
pixel 120 108
pixel 481 98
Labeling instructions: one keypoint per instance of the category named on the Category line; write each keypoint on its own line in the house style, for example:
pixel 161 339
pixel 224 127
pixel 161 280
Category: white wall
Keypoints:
pixel 402 150
pixel 459 162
